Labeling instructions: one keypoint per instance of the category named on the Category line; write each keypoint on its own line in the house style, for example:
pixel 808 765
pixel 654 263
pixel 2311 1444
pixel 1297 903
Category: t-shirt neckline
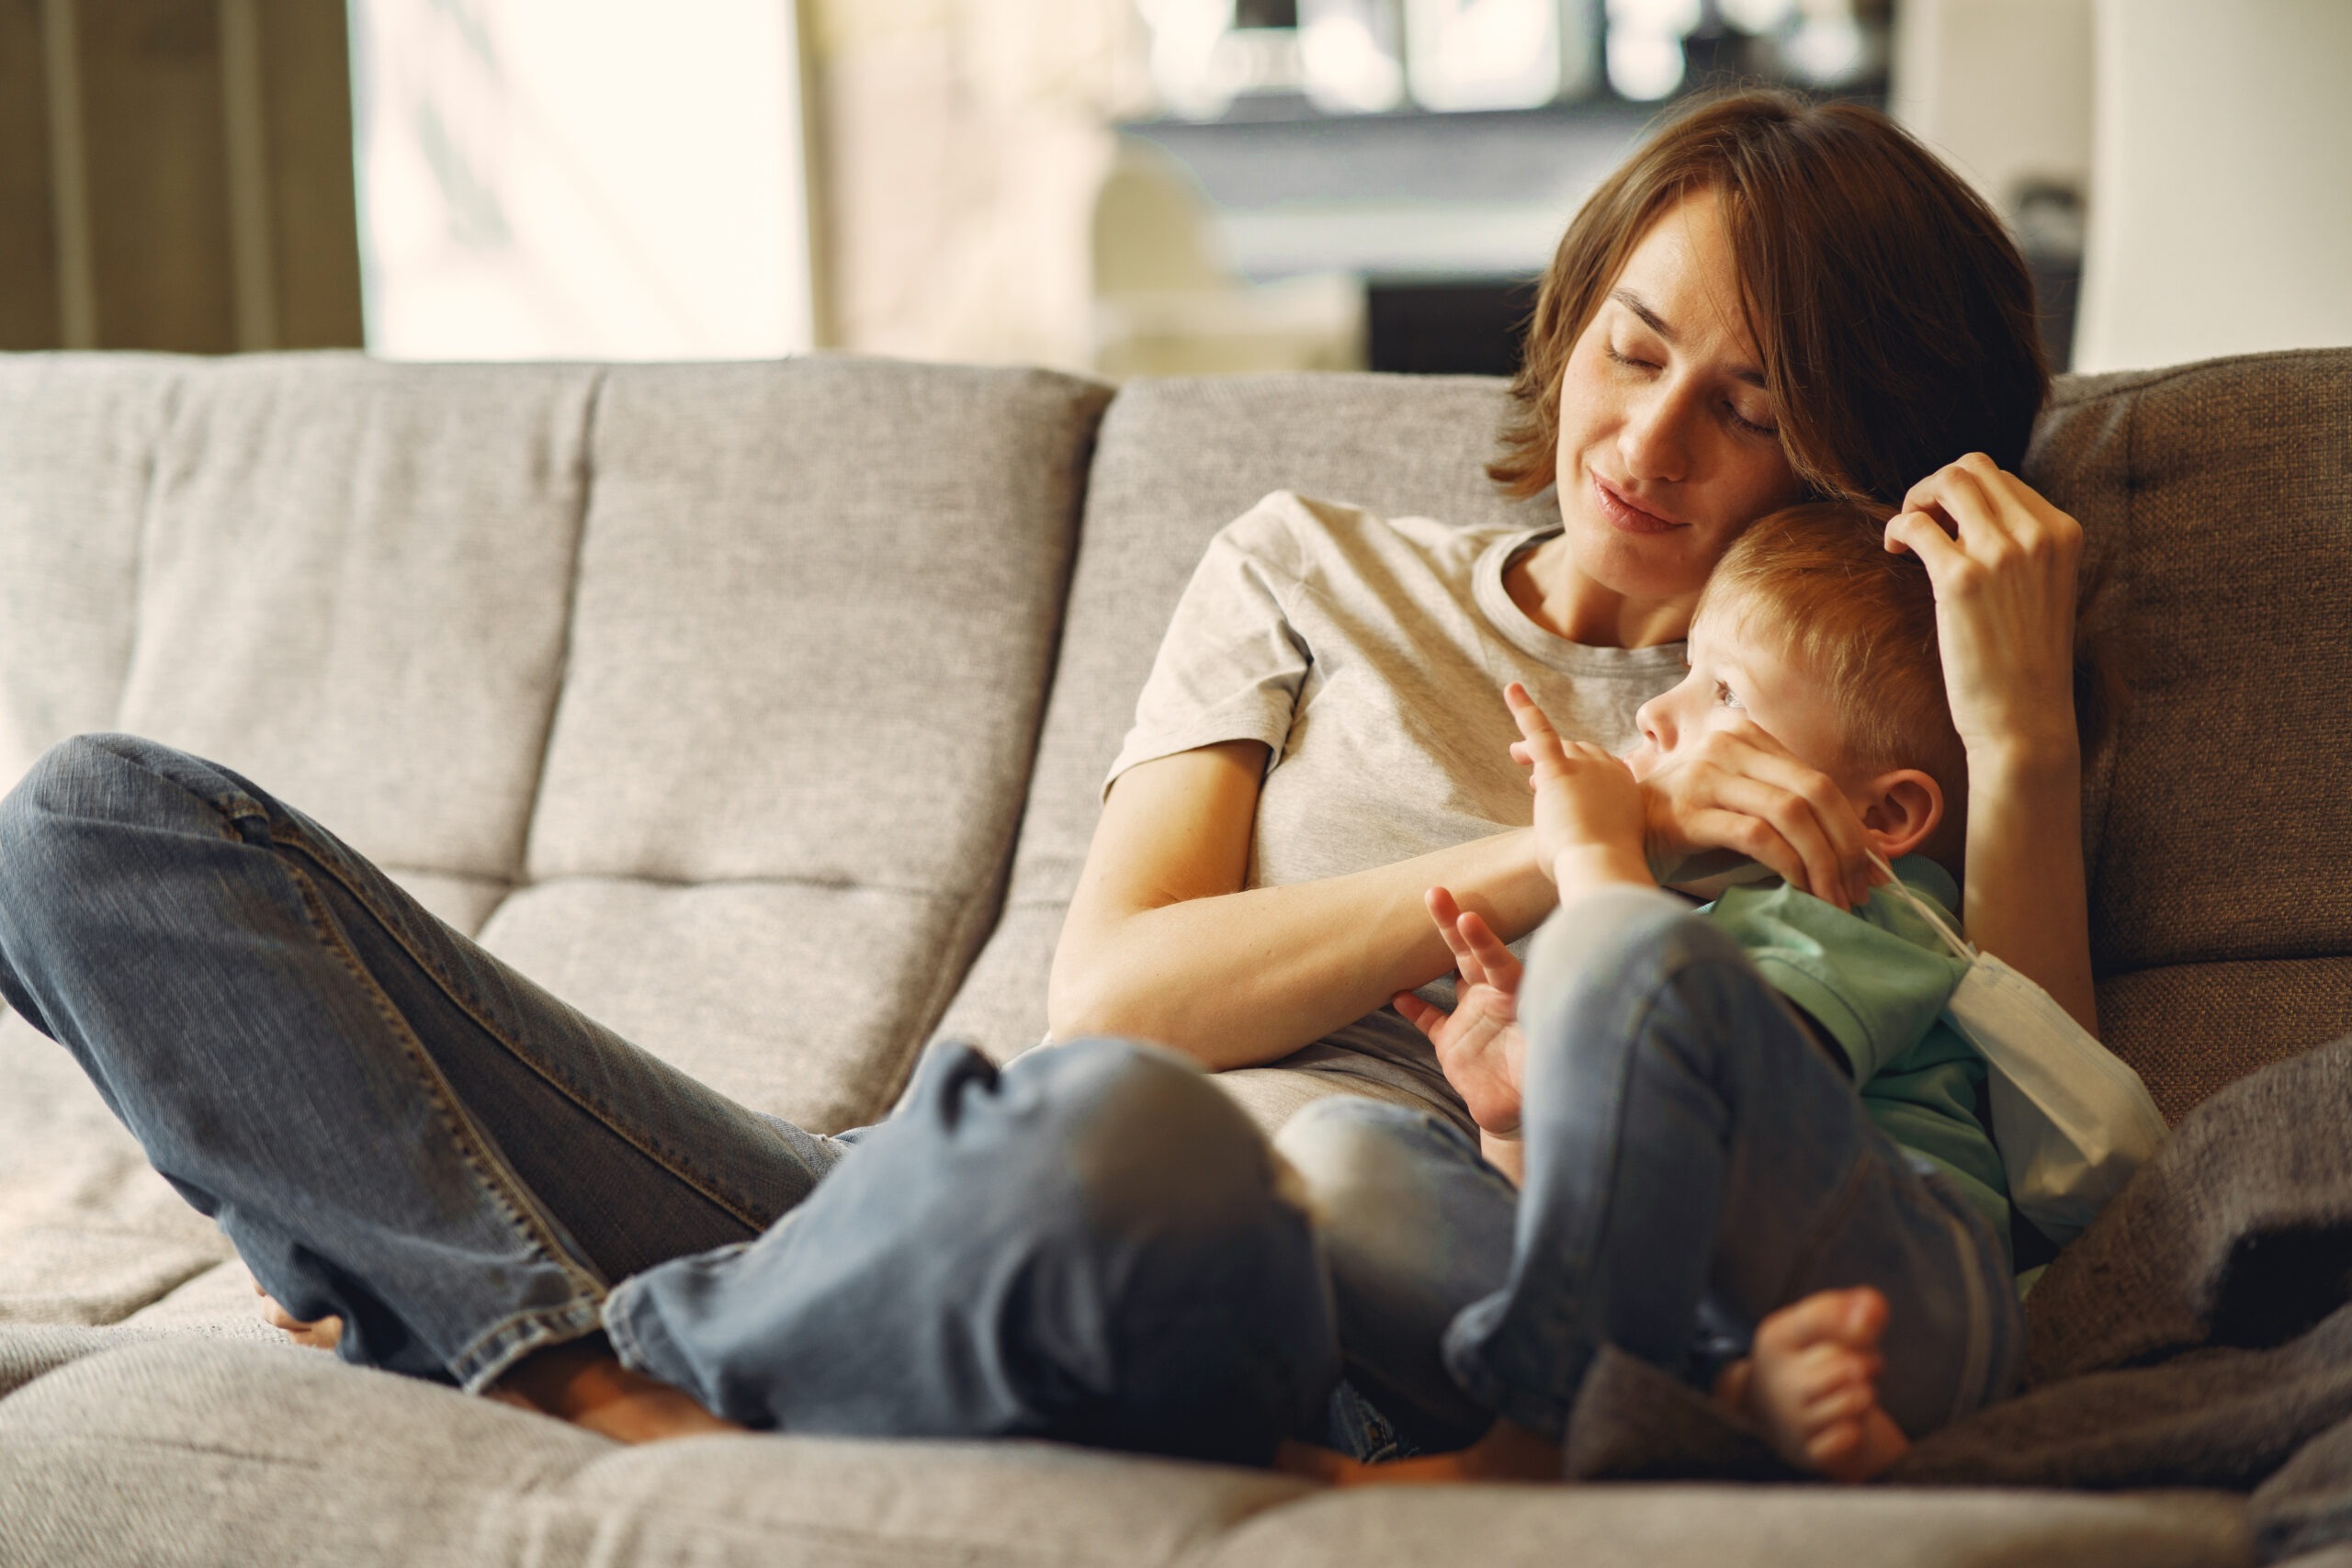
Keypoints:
pixel 1516 627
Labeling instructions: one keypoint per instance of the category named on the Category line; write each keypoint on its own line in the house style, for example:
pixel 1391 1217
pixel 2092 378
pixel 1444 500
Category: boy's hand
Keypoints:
pixel 1479 1045
pixel 1590 822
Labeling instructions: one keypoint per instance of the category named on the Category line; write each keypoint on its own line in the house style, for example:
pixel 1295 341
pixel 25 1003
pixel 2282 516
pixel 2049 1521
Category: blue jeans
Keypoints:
pixel 394 1127
pixel 1693 1161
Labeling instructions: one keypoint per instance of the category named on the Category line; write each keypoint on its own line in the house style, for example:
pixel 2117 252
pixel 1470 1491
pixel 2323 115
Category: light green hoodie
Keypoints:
pixel 1876 980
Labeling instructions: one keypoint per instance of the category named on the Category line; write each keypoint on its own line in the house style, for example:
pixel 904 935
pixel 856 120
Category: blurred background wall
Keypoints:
pixel 961 144
pixel 1120 186
pixel 2222 169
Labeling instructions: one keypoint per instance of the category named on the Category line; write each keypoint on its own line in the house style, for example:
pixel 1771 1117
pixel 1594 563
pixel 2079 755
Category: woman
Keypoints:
pixel 1769 300
pixel 398 1132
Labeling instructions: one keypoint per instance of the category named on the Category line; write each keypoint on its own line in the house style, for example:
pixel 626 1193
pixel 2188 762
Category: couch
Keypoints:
pixel 673 683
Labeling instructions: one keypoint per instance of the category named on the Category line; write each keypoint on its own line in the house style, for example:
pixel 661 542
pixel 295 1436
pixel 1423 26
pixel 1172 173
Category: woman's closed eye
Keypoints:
pixel 1635 359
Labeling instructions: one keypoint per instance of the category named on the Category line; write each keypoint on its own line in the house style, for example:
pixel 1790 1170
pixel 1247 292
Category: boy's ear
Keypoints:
pixel 1901 809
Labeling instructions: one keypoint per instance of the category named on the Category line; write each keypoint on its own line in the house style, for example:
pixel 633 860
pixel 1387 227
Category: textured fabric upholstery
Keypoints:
pixel 77 437
pixel 88 1232
pixel 815 610
pixel 268 1454
pixel 271 1454
pixel 1754 1527
pixel 353 588
pixel 2190 1028
pixel 2219 502
pixel 1177 460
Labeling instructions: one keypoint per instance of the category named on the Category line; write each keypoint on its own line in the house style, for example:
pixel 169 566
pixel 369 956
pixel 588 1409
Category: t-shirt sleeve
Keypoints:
pixel 1877 993
pixel 1232 663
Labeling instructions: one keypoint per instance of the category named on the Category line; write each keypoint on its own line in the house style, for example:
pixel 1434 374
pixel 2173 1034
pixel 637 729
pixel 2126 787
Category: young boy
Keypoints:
pixel 1774 1129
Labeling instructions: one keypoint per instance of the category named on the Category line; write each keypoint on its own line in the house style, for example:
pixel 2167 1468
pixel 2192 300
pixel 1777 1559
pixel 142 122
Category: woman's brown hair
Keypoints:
pixel 1893 315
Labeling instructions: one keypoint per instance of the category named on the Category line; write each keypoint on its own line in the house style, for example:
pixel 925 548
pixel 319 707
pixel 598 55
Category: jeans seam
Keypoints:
pixel 502 1184
pixel 488 1355
pixel 467 1002
pixel 1974 1388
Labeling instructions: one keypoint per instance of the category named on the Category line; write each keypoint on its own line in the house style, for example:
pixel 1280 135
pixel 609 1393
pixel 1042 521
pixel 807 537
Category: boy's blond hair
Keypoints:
pixel 1817 580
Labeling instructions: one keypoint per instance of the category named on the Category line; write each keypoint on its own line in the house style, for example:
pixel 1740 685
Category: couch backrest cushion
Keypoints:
pixel 1178 459
pixel 347 580
pixel 799 617
pixel 2219 502
pixel 78 436
pixel 353 587
pixel 815 616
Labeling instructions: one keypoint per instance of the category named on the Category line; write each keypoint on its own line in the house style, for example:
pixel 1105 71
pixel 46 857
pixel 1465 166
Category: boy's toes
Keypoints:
pixel 1846 1402
pixel 1827 1449
pixel 1853 1318
pixel 1882 1443
pixel 1812 1385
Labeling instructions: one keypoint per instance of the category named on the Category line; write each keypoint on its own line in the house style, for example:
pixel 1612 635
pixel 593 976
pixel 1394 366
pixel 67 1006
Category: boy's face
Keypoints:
pixel 1741 682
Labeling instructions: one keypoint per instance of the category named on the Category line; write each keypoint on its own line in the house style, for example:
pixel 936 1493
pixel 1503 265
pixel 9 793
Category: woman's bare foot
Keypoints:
pixel 321 1334
pixel 1507 1453
pixel 583 1382
pixel 1811 1384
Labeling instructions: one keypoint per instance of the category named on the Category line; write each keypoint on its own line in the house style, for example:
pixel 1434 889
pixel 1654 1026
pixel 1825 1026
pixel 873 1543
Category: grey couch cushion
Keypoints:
pixel 78 434
pixel 88 1232
pixel 2219 497
pixel 209 1453
pixel 2192 1028
pixel 1178 459
pixel 1754 1527
pixel 353 588
pixel 816 607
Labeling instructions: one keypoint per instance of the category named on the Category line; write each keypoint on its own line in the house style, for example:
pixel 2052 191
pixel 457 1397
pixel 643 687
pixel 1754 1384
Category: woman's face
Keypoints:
pixel 1668 444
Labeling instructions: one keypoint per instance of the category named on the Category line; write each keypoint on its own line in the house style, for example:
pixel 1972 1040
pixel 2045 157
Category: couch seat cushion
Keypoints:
pixel 193 1452
pixel 1752 1526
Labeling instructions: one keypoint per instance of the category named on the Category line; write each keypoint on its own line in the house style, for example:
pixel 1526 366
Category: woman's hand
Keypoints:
pixel 2003 560
pixel 1740 791
pixel 1479 1045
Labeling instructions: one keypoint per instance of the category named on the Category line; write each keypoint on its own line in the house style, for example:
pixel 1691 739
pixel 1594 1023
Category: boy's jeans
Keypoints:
pixel 394 1127
pixel 1693 1162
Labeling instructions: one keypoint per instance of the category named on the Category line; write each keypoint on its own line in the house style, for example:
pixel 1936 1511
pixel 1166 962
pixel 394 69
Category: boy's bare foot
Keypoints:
pixel 1811 1384
pixel 1507 1453
pixel 583 1382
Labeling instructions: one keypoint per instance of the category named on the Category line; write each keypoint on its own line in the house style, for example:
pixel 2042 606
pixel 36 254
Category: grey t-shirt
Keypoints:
pixel 1369 654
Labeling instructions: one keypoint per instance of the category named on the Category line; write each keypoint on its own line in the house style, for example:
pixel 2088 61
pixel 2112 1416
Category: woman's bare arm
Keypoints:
pixel 2004 618
pixel 2026 898
pixel 1162 943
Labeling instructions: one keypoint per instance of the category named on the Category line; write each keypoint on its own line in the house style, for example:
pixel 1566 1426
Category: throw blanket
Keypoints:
pixel 2199 1334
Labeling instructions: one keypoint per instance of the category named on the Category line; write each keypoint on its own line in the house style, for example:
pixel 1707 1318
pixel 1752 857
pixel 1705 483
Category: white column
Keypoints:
pixel 2221 198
